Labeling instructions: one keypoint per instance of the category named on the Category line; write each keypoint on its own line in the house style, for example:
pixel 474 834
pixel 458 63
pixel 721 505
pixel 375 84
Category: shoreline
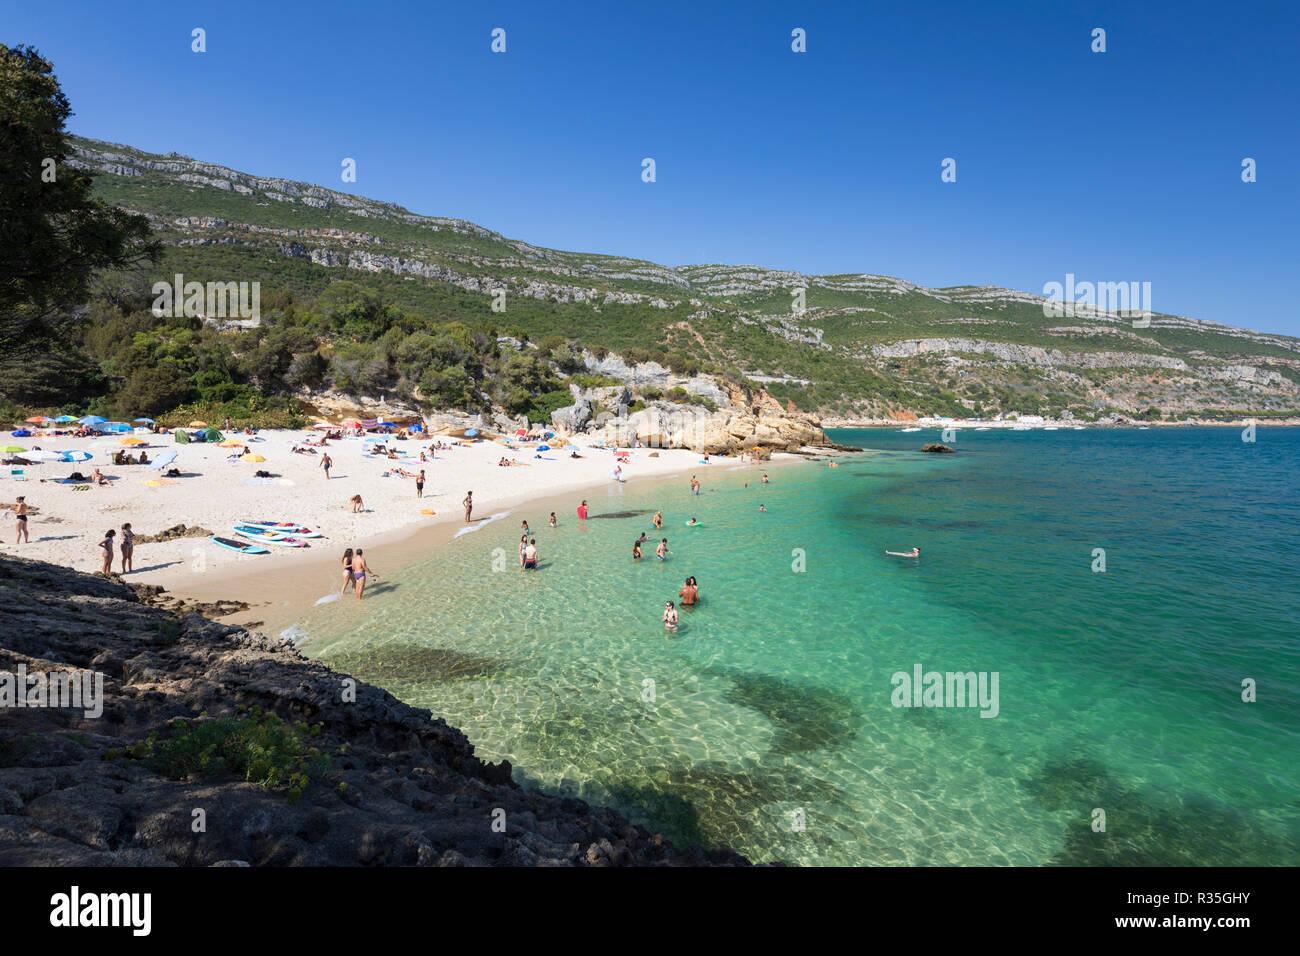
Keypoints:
pixel 278 597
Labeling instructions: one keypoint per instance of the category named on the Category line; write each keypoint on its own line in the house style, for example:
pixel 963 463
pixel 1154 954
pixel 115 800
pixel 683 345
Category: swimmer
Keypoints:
pixel 762 507
pixel 691 522
pixel 636 550
pixel 670 616
pixel 662 551
pixel 914 553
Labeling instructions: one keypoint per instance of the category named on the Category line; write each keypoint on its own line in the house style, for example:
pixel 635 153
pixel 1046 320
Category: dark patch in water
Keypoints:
pixel 415 663
pixel 710 804
pixel 1195 830
pixel 806 718
pixel 623 514
pixel 960 525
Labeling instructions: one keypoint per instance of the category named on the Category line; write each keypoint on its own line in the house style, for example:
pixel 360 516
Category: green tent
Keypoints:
pixel 211 435
pixel 181 436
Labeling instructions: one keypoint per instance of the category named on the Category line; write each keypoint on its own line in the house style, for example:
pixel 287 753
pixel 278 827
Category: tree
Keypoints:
pixel 54 237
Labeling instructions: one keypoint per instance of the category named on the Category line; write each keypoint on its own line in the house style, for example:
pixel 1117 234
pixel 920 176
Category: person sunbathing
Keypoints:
pixel 98 478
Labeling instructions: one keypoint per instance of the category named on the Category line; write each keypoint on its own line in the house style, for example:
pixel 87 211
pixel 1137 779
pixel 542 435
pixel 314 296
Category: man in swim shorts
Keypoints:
pixel 662 551
pixel 689 593
pixel 530 555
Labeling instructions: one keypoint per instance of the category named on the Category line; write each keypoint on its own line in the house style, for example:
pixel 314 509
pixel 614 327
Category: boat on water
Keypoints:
pixel 913 429
pixel 1051 428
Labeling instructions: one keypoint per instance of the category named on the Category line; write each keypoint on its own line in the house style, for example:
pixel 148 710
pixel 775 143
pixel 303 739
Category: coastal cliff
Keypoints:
pixel 219 745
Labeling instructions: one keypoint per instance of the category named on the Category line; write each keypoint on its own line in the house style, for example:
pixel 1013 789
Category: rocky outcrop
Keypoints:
pixel 401 786
pixel 936 447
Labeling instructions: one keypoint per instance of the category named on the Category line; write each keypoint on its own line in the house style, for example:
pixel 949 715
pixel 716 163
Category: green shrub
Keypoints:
pixel 258 747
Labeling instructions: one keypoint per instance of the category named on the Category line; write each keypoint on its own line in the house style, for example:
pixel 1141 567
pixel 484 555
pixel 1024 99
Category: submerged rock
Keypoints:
pixel 936 447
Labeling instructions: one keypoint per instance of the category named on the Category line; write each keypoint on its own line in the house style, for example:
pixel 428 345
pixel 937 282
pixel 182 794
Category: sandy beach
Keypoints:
pixel 66 525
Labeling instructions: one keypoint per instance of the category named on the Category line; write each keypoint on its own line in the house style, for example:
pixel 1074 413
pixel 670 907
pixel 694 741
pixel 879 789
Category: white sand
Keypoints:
pixel 68 525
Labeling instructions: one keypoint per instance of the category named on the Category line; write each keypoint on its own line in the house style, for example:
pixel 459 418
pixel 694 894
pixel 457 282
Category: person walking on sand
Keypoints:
pixel 348 580
pixel 419 485
pixel 128 546
pixel 327 463
pixel 582 510
pixel 689 593
pixel 359 571
pixel 670 616
pixel 20 521
pixel 107 547
pixel 659 520
pixel 469 505
pixel 662 551
pixel 357 504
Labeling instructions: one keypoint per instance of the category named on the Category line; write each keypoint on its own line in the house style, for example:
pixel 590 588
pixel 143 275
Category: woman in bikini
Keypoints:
pixel 107 547
pixel 670 617
pixel 20 520
pixel 359 571
pixel 128 545
pixel 659 520
pixel 347 571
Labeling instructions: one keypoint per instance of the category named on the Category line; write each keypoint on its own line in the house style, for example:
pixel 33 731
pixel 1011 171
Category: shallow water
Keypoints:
pixel 767 723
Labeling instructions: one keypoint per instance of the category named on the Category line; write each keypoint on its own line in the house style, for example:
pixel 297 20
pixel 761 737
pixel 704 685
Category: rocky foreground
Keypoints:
pixel 401 788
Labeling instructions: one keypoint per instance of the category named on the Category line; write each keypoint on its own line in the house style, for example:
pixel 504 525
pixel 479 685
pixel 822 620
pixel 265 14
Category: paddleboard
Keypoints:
pixel 239 546
pixel 281 527
pixel 279 542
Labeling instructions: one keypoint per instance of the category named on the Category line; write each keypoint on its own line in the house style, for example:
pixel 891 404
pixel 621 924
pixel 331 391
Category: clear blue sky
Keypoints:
pixel 1122 166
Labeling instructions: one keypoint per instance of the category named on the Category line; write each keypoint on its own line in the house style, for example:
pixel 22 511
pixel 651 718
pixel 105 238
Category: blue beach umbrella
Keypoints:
pixel 164 459
pixel 77 456
pixel 117 427
pixel 147 421
pixel 471 432
pixel 92 420
pixel 65 418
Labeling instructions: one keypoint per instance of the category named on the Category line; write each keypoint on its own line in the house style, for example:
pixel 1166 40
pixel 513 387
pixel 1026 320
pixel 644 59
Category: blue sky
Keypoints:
pixel 1115 166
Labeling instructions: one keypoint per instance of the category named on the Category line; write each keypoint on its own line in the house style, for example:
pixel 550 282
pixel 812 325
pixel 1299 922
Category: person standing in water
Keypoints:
pixel 765 478
pixel 636 550
pixel 523 546
pixel 348 580
pixel 20 521
pixel 662 551
pixel 551 523
pixel 107 546
pixel 582 510
pixel 659 519
pixel 670 617
pixel 359 571
pixel 695 485
pixel 128 546
pixel 530 555
pixel 469 505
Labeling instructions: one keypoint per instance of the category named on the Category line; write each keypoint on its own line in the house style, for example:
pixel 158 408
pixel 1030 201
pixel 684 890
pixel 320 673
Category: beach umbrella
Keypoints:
pixel 148 421
pixel 252 457
pixel 37 419
pixel 10 449
pixel 471 432
pixel 92 420
pixel 231 443
pixel 325 425
pixel 42 455
pixel 198 425
pixel 164 459
pixel 65 418
pixel 117 427
pixel 77 456
pixel 134 441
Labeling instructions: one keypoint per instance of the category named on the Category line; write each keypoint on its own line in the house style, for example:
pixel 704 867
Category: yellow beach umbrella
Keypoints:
pixel 134 441
pixel 252 457
pixel 197 425
pixel 231 443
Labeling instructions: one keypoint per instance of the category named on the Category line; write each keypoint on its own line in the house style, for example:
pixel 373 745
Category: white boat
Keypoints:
pixel 1078 428
pixel 911 429
pixel 982 428
pixel 1051 428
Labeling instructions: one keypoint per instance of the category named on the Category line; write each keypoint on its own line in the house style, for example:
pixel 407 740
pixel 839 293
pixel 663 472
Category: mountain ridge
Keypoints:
pixel 865 344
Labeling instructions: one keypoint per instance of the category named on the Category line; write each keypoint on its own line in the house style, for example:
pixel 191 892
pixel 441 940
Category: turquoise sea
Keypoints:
pixel 767 723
